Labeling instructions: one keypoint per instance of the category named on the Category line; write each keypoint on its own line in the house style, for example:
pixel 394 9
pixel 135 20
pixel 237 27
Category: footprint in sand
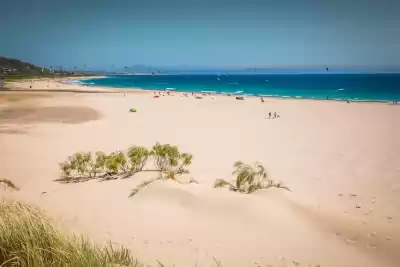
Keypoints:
pixel 350 242
pixel 295 263
pixel 372 234
pixel 282 261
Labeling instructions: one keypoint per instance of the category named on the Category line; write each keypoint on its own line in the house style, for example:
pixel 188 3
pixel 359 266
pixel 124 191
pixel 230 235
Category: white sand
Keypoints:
pixel 324 151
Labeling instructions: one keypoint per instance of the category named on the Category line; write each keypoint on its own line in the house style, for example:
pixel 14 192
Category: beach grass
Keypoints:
pixel 29 238
pixel 249 178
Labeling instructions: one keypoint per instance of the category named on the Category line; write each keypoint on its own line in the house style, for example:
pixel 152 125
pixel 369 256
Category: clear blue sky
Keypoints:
pixel 291 33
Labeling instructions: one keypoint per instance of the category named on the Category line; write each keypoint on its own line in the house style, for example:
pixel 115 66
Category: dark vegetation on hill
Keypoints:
pixel 16 69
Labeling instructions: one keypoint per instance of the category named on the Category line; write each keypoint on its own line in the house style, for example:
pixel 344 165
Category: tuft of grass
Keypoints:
pixel 249 179
pixel 9 183
pixel 28 238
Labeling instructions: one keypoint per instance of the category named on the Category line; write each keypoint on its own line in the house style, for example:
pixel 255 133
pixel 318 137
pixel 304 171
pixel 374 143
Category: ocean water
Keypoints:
pixel 355 87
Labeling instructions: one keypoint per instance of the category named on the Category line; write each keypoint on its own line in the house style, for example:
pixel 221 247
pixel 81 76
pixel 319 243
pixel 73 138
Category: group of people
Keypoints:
pixel 168 93
pixel 275 115
pixel 158 94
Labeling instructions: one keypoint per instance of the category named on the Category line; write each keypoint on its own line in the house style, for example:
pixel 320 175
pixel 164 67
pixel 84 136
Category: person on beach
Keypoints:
pixel 270 114
pixel 274 115
pixel 262 99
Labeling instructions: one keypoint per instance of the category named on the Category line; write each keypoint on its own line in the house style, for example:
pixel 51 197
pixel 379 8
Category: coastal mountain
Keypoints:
pixel 15 67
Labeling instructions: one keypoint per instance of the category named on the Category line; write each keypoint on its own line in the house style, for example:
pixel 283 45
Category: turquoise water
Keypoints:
pixel 356 87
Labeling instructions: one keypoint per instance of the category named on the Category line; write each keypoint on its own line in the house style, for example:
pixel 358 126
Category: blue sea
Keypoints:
pixel 355 87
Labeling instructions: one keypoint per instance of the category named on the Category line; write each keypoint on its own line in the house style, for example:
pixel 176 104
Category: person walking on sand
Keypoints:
pixel 262 99
pixel 274 115
pixel 269 115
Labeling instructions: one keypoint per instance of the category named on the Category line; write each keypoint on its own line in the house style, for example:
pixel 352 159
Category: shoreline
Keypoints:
pixel 214 93
pixel 71 87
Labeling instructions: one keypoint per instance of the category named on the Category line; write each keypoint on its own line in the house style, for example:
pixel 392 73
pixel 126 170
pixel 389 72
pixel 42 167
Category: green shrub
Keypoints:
pixel 169 163
pixel 249 179
pixel 28 238
pixel 76 165
pixel 83 165
pixel 116 163
pixel 164 156
pixel 138 157
pixel 168 158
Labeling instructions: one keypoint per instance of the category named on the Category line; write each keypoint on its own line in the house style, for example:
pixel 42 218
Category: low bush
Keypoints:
pixel 168 159
pixel 138 157
pixel 169 162
pixel 85 166
pixel 249 179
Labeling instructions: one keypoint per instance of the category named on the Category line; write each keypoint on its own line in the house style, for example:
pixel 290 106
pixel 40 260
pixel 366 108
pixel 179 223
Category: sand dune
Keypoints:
pixel 340 160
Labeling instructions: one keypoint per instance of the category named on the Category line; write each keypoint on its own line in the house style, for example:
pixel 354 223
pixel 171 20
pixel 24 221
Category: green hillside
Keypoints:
pixel 11 68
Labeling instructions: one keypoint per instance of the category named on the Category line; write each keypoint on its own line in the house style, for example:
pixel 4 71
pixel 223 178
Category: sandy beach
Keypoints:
pixel 341 162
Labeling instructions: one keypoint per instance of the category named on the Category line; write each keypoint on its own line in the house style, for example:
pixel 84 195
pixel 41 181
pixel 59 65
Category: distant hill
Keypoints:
pixel 14 68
